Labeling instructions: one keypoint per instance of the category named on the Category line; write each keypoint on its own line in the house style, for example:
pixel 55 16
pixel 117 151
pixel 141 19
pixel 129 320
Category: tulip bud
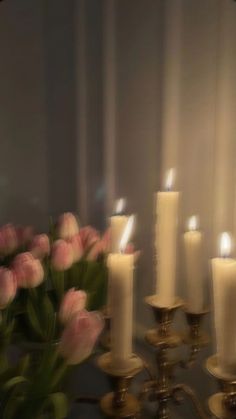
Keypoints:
pixel 67 226
pixel 8 287
pixel 72 303
pixel 77 248
pixel 80 335
pixel 29 271
pixel 62 255
pixel 89 236
pixel 40 246
pixel 8 241
pixel 24 235
pixel 106 239
pixel 96 250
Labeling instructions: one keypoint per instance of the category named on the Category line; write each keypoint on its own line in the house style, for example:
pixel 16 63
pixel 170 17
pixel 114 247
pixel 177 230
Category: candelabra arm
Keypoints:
pixel 183 388
pixel 194 351
pixel 148 370
pixel 148 391
pixel 195 338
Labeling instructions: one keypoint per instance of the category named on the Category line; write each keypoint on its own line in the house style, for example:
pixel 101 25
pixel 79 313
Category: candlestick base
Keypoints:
pixel 120 404
pixel 222 405
pixel 130 409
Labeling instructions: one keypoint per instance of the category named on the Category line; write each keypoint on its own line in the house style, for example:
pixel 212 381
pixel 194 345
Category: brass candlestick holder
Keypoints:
pixel 223 404
pixel 164 338
pixel 196 338
pixel 120 404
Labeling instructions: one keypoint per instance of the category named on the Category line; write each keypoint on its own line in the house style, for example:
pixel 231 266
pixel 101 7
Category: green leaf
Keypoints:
pixel 98 290
pixel 47 317
pixel 10 410
pixel 59 404
pixel 33 320
pixel 58 374
pixel 23 365
pixel 58 282
pixel 14 381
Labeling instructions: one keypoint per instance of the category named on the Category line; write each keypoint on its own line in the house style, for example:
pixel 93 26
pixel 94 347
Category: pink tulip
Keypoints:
pixel 106 238
pixel 89 236
pixel 40 246
pixel 29 271
pixel 8 287
pixel 72 303
pixel 8 239
pixel 131 250
pixel 24 235
pixel 67 226
pixel 100 247
pixel 96 250
pixel 62 255
pixel 77 247
pixel 80 335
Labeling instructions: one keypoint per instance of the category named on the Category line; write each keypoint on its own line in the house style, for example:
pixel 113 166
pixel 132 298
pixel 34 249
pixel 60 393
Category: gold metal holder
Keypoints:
pixel 163 335
pixel 120 404
pixel 223 404
pixel 195 338
pixel 162 339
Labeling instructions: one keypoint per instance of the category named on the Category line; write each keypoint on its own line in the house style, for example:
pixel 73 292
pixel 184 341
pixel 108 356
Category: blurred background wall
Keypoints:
pixel 37 110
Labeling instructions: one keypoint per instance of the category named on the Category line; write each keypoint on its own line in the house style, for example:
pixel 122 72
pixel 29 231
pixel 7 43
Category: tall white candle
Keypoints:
pixel 166 237
pixel 121 268
pixel 193 247
pixel 117 223
pixel 224 292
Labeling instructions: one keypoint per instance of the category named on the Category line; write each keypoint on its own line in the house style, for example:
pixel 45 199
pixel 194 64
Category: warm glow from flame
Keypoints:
pixel 225 245
pixel 170 176
pixel 193 223
pixel 127 233
pixel 120 205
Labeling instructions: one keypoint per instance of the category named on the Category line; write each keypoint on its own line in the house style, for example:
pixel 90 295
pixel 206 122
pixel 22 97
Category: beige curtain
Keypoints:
pixel 167 98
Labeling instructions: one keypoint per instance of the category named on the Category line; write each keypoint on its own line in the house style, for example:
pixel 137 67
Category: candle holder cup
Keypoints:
pixel 163 334
pixel 120 404
pixel 223 404
pixel 195 338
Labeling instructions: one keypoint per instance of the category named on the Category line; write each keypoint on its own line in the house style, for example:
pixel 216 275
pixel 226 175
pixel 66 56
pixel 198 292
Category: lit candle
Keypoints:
pixel 224 292
pixel 166 237
pixel 117 222
pixel 193 247
pixel 121 268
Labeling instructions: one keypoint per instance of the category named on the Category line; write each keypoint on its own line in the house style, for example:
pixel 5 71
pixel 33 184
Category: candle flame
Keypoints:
pixel 120 205
pixel 170 176
pixel 193 223
pixel 127 233
pixel 225 245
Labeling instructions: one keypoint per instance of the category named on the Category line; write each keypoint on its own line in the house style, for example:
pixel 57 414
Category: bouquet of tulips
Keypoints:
pixel 43 267
pixel 51 286
pixel 32 388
